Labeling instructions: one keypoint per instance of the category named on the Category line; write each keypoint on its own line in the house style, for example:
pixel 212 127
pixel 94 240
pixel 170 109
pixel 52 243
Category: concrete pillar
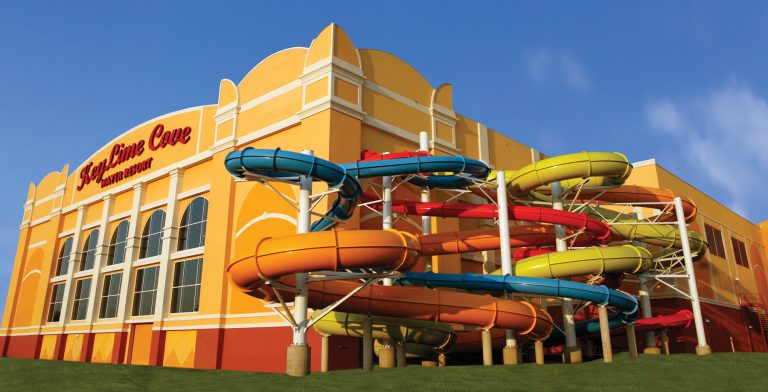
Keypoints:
pixel 487 348
pixel 665 342
pixel 297 360
pixel 400 355
pixel 645 308
pixel 631 341
pixel 324 354
pixel 387 355
pixel 442 360
pixel 539 348
pixel 605 335
pixel 589 348
pixel 368 344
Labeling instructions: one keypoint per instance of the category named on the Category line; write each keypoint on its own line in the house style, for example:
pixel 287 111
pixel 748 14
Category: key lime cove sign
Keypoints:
pixel 159 138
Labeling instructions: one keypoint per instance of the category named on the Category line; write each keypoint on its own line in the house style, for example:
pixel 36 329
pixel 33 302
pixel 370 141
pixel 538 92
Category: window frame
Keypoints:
pixel 65 256
pixel 115 242
pixel 179 286
pixel 740 252
pixel 107 296
pixel 81 301
pixel 91 240
pixel 185 225
pixel 147 235
pixel 715 244
pixel 56 298
pixel 139 291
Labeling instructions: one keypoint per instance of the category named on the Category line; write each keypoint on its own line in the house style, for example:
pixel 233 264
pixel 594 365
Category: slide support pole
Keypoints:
pixel 298 358
pixel 324 354
pixel 510 353
pixel 387 351
pixel 645 307
pixel 368 344
pixel 605 335
pixel 631 341
pixel 426 221
pixel 573 352
pixel 702 348
pixel 487 348
pixel 400 353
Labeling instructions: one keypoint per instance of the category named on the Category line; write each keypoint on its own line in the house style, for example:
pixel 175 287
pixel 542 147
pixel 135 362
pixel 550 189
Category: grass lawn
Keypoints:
pixel 722 372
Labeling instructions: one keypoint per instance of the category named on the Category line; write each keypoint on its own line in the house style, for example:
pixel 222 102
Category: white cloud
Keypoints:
pixel 665 116
pixel 722 135
pixel 546 66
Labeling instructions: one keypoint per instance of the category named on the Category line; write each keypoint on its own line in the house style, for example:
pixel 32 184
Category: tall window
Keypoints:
pixel 714 241
pixel 110 296
pixel 740 251
pixel 152 238
pixel 117 245
pixel 186 286
pixel 192 230
pixel 144 294
pixel 89 251
pixel 54 308
pixel 82 290
pixel 62 266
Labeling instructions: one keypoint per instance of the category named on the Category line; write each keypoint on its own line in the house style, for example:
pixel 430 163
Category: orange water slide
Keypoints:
pixel 277 259
pixel 642 194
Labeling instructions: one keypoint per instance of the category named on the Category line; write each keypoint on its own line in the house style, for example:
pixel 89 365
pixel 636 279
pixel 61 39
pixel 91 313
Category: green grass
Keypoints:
pixel 722 372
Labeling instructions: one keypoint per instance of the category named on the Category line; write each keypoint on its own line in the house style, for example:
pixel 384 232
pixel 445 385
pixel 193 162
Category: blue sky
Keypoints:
pixel 684 82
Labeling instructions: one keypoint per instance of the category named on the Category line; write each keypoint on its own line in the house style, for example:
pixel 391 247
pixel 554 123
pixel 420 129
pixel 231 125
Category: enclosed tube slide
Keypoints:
pixel 438 336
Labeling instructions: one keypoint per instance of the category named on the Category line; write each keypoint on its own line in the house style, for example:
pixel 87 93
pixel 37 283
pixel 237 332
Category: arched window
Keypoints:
pixel 89 251
pixel 117 245
pixel 62 266
pixel 192 230
pixel 152 237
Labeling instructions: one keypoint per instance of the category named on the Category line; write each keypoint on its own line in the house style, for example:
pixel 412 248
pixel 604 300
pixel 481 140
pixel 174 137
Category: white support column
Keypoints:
pixel 100 259
pixel 386 217
pixel 74 261
pixel 510 351
pixel 645 308
pixel 170 234
pixel 702 348
pixel 299 352
pixel 573 352
pixel 426 221
pixel 132 246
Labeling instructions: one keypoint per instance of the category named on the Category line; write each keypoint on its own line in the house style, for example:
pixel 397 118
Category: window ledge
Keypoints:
pixel 82 274
pixel 59 279
pixel 147 261
pixel 113 268
pixel 188 253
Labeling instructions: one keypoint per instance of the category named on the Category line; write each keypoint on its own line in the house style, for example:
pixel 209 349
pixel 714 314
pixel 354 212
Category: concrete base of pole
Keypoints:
pixel 652 351
pixel 487 348
pixel 605 335
pixel 703 350
pixel 631 341
pixel 442 360
pixel 511 355
pixel 400 355
pixel 538 347
pixel 297 363
pixel 429 363
pixel 573 355
pixel 386 357
pixel 324 354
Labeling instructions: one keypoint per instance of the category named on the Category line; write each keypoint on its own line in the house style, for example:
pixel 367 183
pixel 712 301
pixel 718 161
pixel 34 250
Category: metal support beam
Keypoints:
pixel 426 221
pixel 702 348
pixel 569 326
pixel 645 307
pixel 510 351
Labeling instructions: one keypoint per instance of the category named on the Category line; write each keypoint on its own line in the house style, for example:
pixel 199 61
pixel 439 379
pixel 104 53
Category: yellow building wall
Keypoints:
pixel 103 344
pixel 141 343
pixel 180 349
pixel 48 347
pixel 73 347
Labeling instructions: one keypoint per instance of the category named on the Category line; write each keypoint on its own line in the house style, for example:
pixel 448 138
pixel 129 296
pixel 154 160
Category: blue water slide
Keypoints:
pixel 289 166
pixel 599 295
pixel 464 170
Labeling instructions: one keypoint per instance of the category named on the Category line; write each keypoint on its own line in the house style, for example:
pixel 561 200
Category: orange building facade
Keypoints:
pixel 123 258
